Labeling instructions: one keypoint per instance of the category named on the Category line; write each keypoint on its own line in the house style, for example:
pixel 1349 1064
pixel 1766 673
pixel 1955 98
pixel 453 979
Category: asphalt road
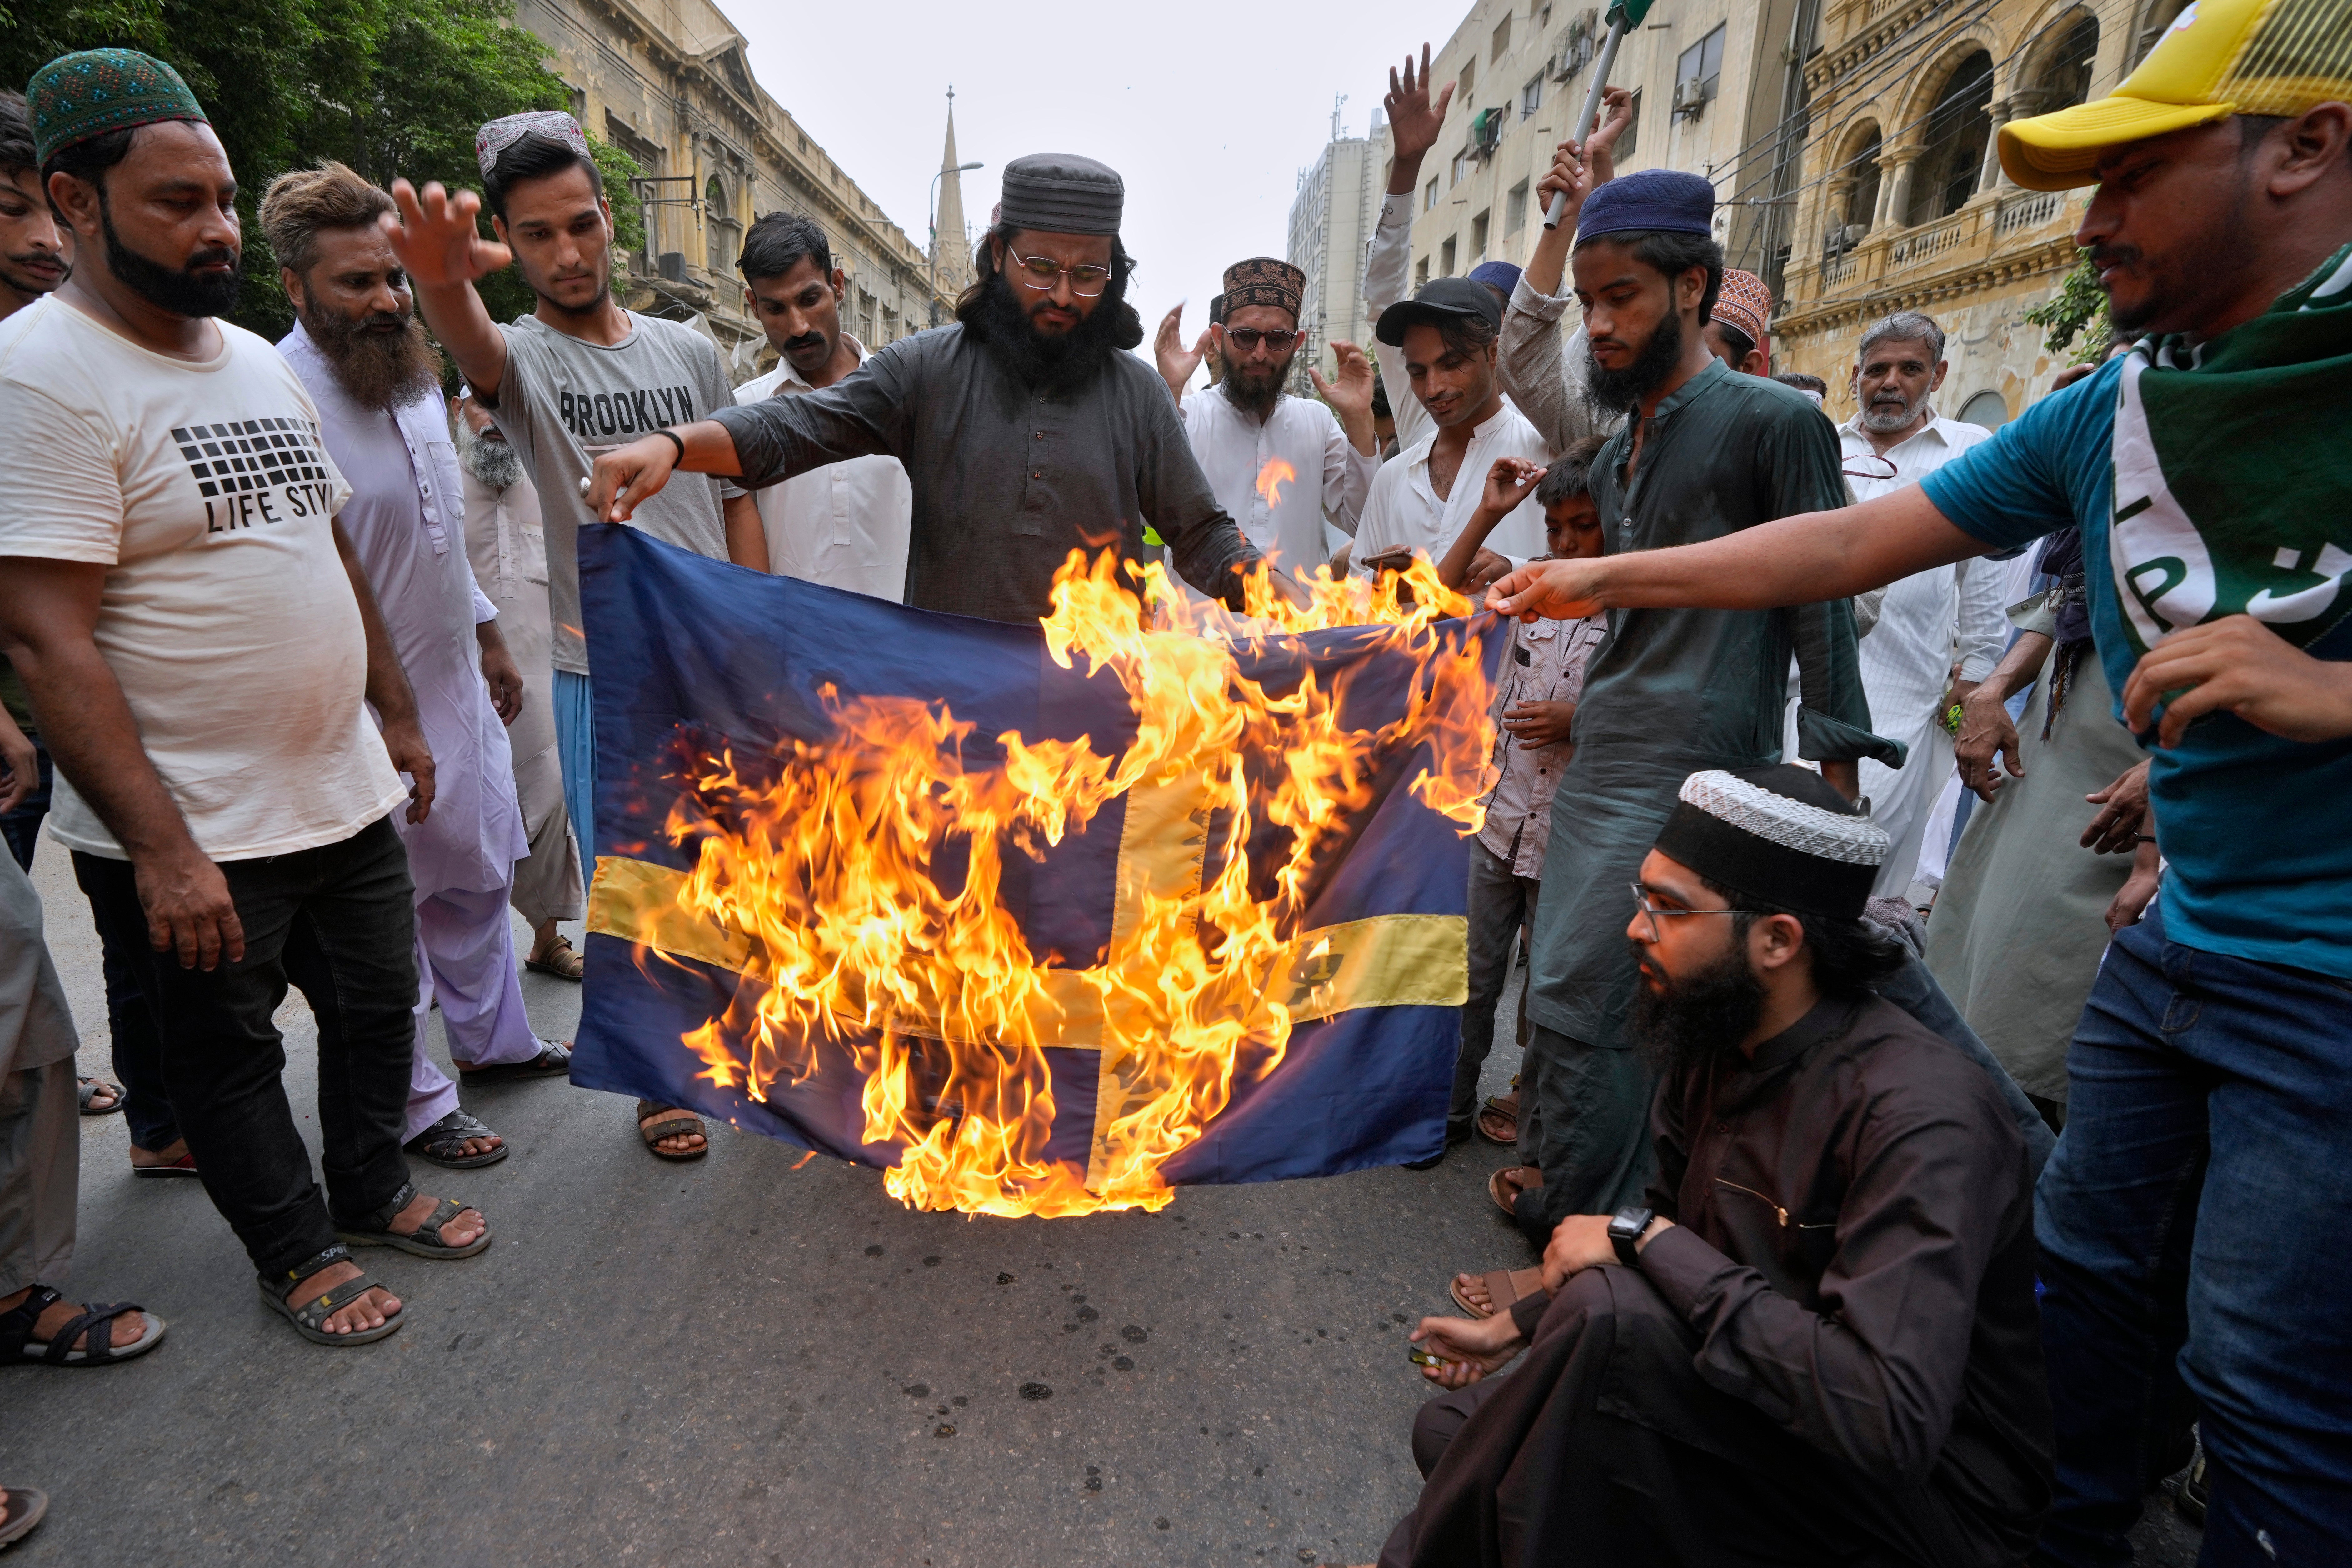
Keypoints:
pixel 758 1359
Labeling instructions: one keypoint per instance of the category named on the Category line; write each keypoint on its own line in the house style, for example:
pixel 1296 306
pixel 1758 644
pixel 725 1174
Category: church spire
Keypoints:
pixel 950 249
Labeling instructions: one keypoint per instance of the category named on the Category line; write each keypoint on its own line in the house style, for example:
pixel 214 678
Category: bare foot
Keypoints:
pixel 126 1328
pixel 459 1230
pixel 372 1310
pixel 677 1142
pixel 172 1154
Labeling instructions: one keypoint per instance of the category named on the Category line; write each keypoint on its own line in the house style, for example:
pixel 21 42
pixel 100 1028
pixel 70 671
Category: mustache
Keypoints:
pixel 2114 255
pixel 805 341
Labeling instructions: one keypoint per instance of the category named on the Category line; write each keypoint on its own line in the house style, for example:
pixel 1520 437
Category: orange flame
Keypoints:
pixel 1276 473
pixel 822 856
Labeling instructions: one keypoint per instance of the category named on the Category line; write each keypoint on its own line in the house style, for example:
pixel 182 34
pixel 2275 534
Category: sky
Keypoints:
pixel 1208 110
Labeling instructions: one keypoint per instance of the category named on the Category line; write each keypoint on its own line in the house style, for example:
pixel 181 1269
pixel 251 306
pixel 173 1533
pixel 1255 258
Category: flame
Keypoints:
pixel 1276 473
pixel 822 856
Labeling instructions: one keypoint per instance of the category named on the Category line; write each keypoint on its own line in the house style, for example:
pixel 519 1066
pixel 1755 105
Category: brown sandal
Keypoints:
pixel 1499 1120
pixel 1506 1185
pixel 560 960
pixel 681 1125
pixel 1503 1287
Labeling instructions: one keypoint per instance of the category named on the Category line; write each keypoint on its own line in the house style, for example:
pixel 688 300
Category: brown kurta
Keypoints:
pixel 1852 1266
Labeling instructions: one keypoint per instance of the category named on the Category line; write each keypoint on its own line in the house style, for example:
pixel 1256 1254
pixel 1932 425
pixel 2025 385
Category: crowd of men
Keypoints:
pixel 298 675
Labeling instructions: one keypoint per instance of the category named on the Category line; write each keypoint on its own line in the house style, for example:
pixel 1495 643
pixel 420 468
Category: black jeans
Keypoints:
pixel 138 1055
pixel 337 923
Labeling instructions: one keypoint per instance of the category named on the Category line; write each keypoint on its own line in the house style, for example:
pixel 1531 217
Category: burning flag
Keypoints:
pixel 1039 920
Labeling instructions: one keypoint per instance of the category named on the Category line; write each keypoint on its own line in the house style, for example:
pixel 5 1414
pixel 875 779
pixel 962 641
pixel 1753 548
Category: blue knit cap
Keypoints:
pixel 1650 200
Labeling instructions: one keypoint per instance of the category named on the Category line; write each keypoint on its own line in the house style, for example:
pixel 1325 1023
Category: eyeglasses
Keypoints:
pixel 1247 338
pixel 1870 467
pixel 1040 271
pixel 1642 902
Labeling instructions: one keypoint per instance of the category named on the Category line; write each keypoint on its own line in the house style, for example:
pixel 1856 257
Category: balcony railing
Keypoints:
pixel 1979 230
pixel 2029 210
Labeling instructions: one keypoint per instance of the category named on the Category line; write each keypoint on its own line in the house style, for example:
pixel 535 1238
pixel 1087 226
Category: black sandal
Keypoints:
pixel 89 1089
pixel 553 1061
pixel 17 1345
pixel 425 1241
pixel 309 1319
pixel 439 1143
pixel 679 1126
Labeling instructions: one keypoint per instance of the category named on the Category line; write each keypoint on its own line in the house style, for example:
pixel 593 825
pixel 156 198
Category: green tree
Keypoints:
pixel 394 88
pixel 2076 316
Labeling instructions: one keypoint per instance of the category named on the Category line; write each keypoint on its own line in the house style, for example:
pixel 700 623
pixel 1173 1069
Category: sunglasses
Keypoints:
pixel 1247 338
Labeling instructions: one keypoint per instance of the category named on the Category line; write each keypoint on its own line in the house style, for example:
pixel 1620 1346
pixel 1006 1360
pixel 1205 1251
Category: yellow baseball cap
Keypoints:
pixel 2219 57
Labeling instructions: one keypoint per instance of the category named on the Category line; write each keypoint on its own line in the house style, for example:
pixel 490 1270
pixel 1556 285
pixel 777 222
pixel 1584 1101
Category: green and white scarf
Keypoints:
pixel 2233 470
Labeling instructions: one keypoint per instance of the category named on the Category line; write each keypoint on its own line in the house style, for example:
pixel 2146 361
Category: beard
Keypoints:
pixel 488 458
pixel 1700 1017
pixel 1252 389
pixel 383 362
pixel 1056 364
pixel 1622 390
pixel 1886 419
pixel 179 290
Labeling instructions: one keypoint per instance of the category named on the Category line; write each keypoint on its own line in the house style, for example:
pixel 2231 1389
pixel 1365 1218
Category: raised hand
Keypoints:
pixel 1349 391
pixel 434 235
pixel 1600 149
pixel 1177 363
pixel 1414 119
pixel 1508 483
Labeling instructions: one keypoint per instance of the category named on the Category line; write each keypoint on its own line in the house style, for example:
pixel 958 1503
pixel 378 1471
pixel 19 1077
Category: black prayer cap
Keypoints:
pixel 1780 835
pixel 1061 193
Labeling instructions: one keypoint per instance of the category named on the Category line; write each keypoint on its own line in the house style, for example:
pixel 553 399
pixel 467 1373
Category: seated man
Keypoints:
pixel 1817 1342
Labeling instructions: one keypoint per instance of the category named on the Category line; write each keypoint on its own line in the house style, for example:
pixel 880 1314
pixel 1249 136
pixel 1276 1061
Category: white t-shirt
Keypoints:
pixel 227 616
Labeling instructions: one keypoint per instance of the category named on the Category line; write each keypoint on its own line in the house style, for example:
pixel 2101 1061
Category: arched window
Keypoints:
pixel 2156 20
pixel 1861 203
pixel 1955 135
pixel 726 236
pixel 2066 69
pixel 1987 409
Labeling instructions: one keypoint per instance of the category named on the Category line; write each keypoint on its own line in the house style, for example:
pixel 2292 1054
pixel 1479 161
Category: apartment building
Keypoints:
pixel 1906 207
pixel 670 81
pixel 1331 223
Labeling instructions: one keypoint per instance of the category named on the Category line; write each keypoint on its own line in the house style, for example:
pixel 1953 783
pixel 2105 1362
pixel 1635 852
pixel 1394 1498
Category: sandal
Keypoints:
pixel 309 1318
pixel 17 1341
pixel 1503 1287
pixel 560 961
pixel 1506 1185
pixel 23 1510
pixel 440 1141
pixel 185 1165
pixel 1499 1121
pixel 425 1241
pixel 679 1126
pixel 89 1089
pixel 553 1061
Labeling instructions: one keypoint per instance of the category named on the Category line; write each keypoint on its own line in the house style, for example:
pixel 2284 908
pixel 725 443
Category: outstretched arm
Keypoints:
pixel 1790 560
pixel 434 235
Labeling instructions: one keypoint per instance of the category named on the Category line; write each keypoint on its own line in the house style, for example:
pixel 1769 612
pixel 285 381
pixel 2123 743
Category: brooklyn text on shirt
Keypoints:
pixel 254 472
pixel 622 412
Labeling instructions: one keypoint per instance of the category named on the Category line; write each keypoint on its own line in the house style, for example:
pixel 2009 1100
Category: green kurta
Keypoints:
pixel 1673 691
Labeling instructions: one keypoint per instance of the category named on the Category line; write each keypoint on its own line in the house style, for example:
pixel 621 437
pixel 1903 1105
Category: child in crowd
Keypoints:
pixel 1543 676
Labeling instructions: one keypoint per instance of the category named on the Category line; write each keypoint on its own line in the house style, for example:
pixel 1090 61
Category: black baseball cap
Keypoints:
pixel 1445 300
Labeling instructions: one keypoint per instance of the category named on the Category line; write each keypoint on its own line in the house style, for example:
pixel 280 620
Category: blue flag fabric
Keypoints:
pixel 693 656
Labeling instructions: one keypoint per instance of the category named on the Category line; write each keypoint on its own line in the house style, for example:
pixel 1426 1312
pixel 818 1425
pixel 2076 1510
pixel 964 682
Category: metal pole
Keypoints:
pixel 1585 122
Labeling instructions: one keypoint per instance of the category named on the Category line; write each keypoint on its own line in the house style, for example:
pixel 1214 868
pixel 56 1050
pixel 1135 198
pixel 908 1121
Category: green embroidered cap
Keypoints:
pixel 78 96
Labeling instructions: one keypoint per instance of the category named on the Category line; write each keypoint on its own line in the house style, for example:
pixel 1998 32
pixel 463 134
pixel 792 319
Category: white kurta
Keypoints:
pixel 1327 480
pixel 1404 508
pixel 846 524
pixel 406 522
pixel 1388 277
pixel 1926 623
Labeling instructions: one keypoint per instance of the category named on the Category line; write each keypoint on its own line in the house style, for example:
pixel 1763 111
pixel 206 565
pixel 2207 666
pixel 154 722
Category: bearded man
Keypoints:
pixel 1026 429
pixel 1813 1338
pixel 508 546
pixel 361 351
pixel 1705 451
pixel 1281 465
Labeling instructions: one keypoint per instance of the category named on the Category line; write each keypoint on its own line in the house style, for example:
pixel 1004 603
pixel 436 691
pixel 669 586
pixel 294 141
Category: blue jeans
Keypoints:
pixel 575 749
pixel 2196 1231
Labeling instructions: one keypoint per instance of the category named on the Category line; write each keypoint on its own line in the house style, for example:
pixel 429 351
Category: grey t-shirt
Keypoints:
pixel 562 395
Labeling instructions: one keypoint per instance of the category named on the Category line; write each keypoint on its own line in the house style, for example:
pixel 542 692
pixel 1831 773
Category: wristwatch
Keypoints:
pixel 1625 1231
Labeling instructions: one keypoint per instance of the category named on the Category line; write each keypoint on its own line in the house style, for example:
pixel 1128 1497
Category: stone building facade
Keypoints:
pixel 1905 207
pixel 670 80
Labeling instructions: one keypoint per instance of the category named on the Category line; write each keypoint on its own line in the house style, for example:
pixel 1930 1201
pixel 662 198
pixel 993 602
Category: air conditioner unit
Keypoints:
pixel 672 266
pixel 1690 98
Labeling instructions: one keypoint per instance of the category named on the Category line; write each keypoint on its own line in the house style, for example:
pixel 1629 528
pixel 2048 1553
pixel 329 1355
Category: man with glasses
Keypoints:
pixel 1282 466
pixel 1813 1338
pixel 1938 632
pixel 1027 428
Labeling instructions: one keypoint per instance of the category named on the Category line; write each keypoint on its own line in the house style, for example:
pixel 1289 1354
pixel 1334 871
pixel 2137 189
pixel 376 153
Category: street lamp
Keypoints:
pixel 943 174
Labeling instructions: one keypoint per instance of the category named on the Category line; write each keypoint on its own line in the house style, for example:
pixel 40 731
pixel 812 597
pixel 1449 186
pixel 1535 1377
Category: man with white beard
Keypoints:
pixel 508 549
pixel 1938 632
pixel 363 356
